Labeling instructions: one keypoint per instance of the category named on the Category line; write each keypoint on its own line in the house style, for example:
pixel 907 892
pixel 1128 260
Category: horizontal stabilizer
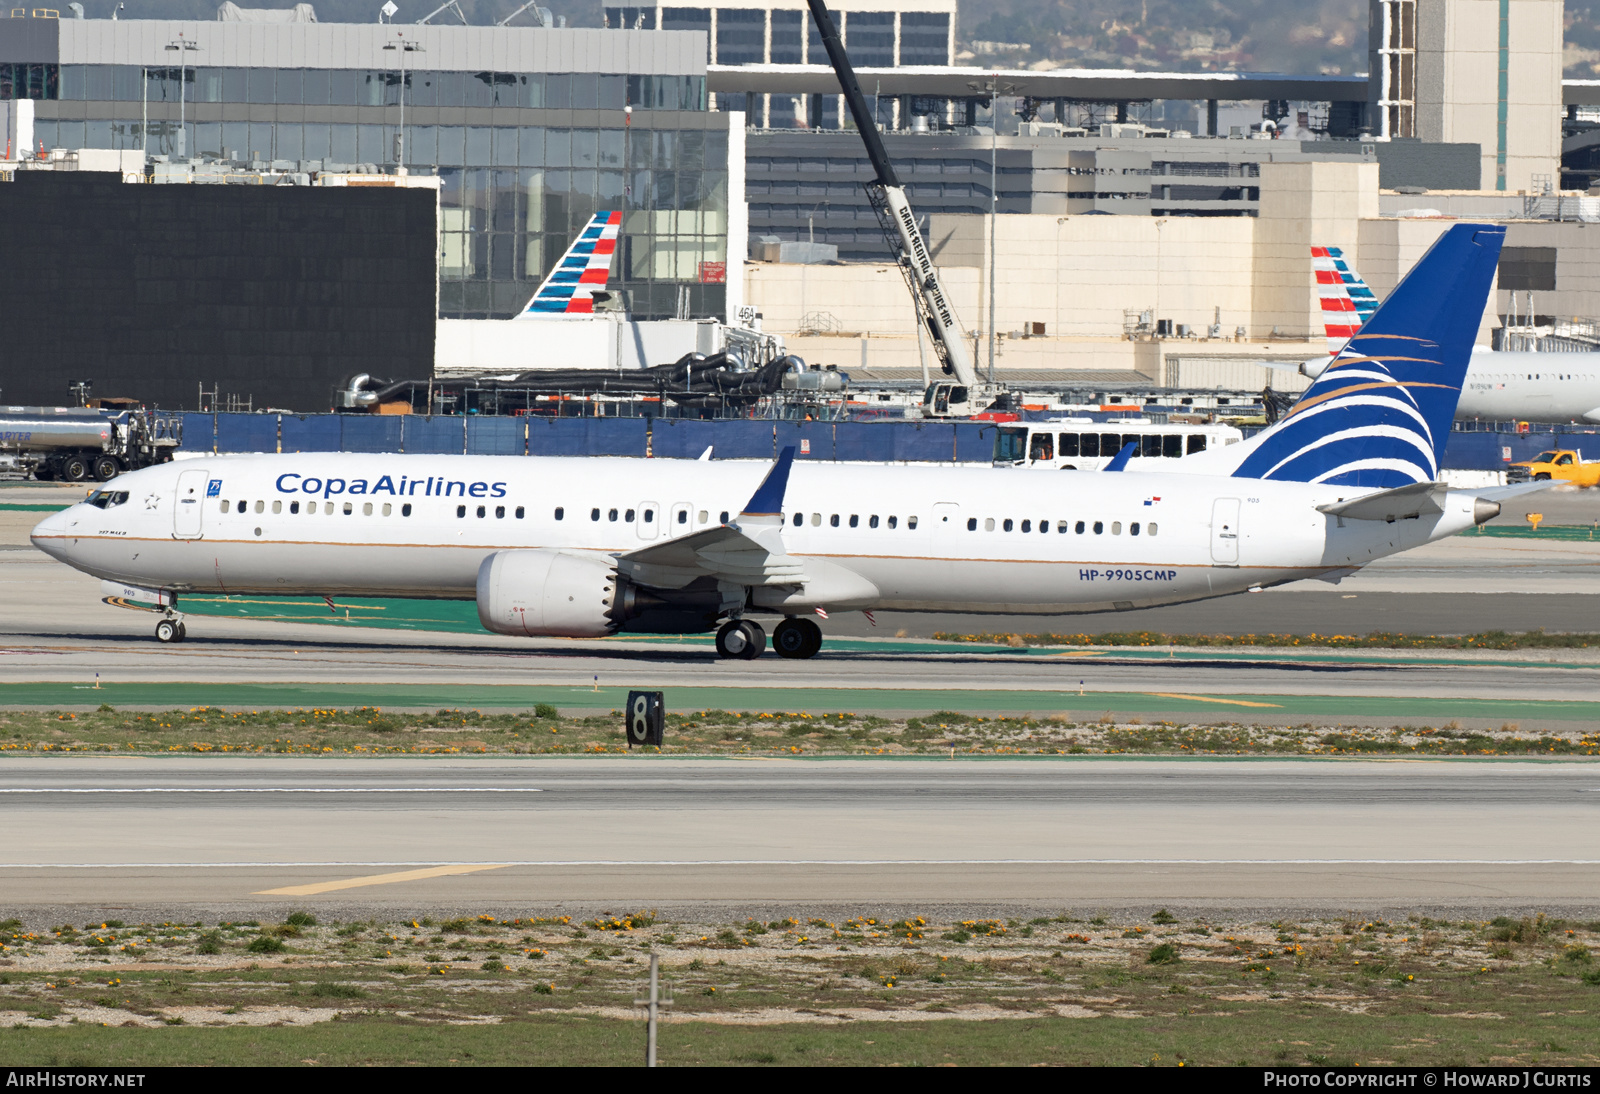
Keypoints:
pixel 1501 493
pixel 1402 503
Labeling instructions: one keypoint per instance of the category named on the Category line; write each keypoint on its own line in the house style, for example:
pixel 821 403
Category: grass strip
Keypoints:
pixel 544 730
pixel 788 987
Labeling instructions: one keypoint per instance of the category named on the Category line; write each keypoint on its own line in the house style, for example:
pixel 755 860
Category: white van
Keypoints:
pixel 1067 444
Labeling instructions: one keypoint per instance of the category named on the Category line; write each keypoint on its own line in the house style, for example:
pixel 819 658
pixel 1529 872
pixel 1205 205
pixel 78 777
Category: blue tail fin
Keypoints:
pixel 1379 415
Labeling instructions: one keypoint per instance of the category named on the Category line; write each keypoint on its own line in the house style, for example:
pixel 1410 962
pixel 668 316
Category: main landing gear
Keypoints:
pixel 171 630
pixel 797 638
pixel 741 638
pixel 793 638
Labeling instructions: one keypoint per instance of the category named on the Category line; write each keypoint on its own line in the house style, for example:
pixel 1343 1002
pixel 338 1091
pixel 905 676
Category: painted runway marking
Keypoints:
pixel 1211 699
pixel 379 879
pixel 274 790
pixel 470 866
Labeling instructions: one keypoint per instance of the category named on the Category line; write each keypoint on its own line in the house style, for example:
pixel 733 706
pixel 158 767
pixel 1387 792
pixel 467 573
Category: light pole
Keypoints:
pixel 402 47
pixel 183 47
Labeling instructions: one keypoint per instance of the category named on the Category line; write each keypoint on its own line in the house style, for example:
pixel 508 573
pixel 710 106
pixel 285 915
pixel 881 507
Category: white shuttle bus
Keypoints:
pixel 1079 444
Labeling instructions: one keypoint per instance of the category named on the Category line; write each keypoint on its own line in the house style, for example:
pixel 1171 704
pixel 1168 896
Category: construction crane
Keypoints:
pixel 961 394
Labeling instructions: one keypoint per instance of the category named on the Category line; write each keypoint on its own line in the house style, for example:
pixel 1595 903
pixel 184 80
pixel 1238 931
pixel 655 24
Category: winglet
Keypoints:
pixel 767 501
pixel 1119 462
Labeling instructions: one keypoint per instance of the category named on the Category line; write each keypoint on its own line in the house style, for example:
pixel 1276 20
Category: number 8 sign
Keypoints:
pixel 646 717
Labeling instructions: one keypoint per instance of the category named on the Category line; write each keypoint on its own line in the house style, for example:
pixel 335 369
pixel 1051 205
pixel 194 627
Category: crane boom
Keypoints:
pixel 889 201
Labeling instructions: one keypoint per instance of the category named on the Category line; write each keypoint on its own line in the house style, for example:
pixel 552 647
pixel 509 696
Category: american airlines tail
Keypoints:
pixel 1346 300
pixel 1379 414
pixel 582 271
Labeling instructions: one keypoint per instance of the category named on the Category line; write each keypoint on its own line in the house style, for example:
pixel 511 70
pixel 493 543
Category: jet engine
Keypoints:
pixel 566 594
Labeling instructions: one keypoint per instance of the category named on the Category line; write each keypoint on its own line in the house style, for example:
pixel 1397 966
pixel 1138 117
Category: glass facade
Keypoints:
pixel 517 180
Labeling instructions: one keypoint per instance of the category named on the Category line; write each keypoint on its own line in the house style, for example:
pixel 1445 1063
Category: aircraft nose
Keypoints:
pixel 49 534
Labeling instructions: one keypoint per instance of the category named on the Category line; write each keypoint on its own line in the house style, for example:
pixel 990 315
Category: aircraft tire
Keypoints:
pixel 731 640
pixel 183 632
pixel 797 638
pixel 755 639
pixel 167 631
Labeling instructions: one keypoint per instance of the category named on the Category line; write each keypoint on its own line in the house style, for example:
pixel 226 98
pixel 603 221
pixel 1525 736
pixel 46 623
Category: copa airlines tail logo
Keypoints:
pixel 1346 301
pixel 582 271
pixel 1363 422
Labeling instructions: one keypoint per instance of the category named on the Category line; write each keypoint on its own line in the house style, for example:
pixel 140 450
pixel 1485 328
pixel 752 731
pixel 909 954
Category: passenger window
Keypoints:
pixel 387 509
pixel 594 514
pixel 277 507
pixel 482 511
pixel 519 512
pixel 327 508
pixel 366 509
pixel 628 515
pixel 349 508
pixel 261 506
pixel 893 521
pixel 405 510
pixel 1044 526
pixel 872 521
pixel 240 507
pixel 799 518
pixel 1079 528
pixel 724 517
pixel 1090 445
pixel 1151 528
pixel 1133 529
pixel 1151 445
pixel 834 520
pixel 294 507
pixel 704 516
pixel 499 512
pixel 1116 527
pixel 1111 443
pixel 855 521
pixel 816 519
pixel 224 505
pixel 683 516
pixel 649 516
pixel 1172 445
pixel 461 510
pixel 1197 442
pixel 1042 447
pixel 911 523
pixel 1099 528
pixel 613 515
pixel 1007 524
pixel 1069 444
pixel 988 524
pixel 972 524
pixel 560 512
pixel 1061 527
pixel 1027 525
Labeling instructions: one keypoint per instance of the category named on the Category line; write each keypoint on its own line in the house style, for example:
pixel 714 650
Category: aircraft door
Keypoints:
pixel 189 505
pixel 1225 531
pixel 649 521
pixel 946 521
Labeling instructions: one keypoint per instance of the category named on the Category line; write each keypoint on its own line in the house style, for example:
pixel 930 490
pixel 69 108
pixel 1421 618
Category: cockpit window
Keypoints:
pixel 107 499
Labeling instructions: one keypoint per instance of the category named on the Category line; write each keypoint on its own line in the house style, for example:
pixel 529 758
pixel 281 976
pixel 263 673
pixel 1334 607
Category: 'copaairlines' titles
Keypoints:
pixel 427 488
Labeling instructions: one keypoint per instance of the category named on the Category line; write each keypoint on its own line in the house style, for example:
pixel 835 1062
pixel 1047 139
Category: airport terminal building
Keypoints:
pixel 531 130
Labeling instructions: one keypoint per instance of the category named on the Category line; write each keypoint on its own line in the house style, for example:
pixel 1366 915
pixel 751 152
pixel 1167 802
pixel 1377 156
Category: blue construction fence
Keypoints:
pixel 932 442
pixel 872 442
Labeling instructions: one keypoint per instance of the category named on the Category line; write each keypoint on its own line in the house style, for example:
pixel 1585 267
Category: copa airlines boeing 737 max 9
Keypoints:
pixel 591 547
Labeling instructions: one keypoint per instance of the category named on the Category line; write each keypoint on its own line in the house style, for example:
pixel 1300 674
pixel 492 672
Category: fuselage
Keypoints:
pixel 1531 387
pixel 926 539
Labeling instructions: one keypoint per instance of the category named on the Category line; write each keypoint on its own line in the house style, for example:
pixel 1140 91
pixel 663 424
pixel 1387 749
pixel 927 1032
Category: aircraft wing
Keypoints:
pixel 746 551
pixel 1501 493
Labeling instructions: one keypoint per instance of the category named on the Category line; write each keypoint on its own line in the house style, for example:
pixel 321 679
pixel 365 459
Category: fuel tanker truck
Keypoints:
pixel 71 444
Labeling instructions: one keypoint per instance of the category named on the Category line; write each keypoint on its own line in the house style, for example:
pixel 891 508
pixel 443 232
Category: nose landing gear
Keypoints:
pixel 797 638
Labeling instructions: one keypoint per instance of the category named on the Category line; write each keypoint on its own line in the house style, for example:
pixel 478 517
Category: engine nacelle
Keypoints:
pixel 565 594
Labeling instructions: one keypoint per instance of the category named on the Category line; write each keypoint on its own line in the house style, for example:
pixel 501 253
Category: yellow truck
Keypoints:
pixel 1560 463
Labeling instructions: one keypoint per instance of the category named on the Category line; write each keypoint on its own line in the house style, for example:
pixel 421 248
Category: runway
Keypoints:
pixel 656 831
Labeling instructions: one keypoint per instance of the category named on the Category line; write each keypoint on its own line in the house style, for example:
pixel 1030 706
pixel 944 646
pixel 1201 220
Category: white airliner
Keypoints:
pixel 1500 384
pixel 592 547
